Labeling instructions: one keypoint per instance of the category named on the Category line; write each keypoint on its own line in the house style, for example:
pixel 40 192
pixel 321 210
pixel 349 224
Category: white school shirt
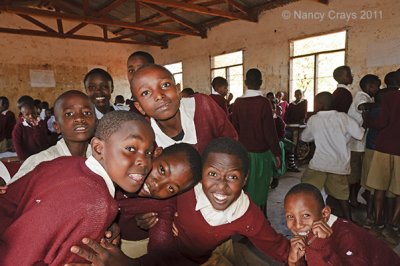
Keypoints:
pixel 97 168
pixel 251 93
pixel 331 131
pixel 360 98
pixel 4 174
pixel 187 109
pixel 214 217
pixel 58 150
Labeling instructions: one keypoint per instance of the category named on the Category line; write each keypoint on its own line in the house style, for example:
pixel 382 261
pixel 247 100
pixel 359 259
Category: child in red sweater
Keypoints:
pixel 40 205
pixel 29 136
pixel 320 238
pixel 219 92
pixel 7 122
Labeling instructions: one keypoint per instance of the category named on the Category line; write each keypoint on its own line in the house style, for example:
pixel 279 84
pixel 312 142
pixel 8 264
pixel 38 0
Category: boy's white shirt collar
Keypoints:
pixel 187 109
pixel 251 93
pixel 99 114
pixel 214 92
pixel 97 168
pixel 4 173
pixel 332 219
pixel 26 124
pixel 4 112
pixel 348 87
pixel 214 217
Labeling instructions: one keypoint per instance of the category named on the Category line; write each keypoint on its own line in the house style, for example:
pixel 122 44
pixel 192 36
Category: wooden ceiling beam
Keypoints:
pixel 178 19
pixel 36 22
pixel 238 6
pixel 189 7
pixel 69 36
pixel 91 20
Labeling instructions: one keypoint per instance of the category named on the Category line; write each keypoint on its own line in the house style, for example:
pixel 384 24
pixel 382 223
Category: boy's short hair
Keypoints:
pixel 307 189
pixel 119 99
pixel 59 100
pixel 339 71
pixel 228 146
pixel 188 91
pixel 325 99
pixel 156 66
pixel 270 94
pixel 218 82
pixel 391 80
pixel 148 57
pixel 112 121
pixel 101 72
pixel 28 103
pixel 23 99
pixel 368 79
pixel 192 156
pixel 5 102
pixel 253 78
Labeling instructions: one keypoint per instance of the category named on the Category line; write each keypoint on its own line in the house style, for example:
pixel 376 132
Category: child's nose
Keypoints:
pixel 158 95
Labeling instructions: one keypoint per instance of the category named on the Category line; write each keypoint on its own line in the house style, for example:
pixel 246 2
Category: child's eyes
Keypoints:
pixel 149 153
pixel 171 189
pixel 130 149
pixel 131 71
pixel 68 114
pixel 162 170
pixel 87 113
pixel 212 173
pixel 165 85
pixel 289 217
pixel 145 93
pixel 306 215
pixel 232 177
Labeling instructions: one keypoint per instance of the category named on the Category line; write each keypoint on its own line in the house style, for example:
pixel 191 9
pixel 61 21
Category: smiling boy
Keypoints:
pixel 35 213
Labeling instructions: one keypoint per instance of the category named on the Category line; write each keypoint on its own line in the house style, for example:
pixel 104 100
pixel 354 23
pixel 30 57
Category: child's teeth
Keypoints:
pixel 303 233
pixel 219 196
pixel 100 98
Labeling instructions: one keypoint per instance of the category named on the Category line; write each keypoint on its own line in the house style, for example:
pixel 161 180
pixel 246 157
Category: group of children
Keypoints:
pixel 65 194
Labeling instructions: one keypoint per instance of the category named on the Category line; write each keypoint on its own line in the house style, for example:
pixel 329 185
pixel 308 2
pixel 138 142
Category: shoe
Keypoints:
pixel 294 169
pixel 368 223
pixel 390 235
pixel 274 183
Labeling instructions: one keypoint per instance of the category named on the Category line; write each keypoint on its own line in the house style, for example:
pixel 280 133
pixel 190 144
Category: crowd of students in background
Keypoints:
pixel 192 170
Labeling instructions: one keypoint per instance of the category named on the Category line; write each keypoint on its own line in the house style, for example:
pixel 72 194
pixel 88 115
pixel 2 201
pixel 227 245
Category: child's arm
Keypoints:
pixel 366 106
pixel 307 134
pixel 17 139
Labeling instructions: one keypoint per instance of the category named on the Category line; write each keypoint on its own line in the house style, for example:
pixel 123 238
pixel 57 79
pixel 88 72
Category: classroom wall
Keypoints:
pixel 69 59
pixel 266 43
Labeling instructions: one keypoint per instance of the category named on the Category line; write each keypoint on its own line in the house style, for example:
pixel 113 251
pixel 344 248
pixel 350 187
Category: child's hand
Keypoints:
pixel 321 229
pixel 278 162
pixel 147 220
pixel 3 189
pixel 297 249
pixel 113 234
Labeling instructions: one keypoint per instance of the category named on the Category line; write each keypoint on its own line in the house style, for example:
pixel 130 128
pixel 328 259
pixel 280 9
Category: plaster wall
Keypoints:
pixel 266 43
pixel 69 59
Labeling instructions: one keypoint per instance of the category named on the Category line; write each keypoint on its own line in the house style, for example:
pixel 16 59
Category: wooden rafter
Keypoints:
pixel 36 22
pixel 178 19
pixel 238 6
pixel 200 9
pixel 91 20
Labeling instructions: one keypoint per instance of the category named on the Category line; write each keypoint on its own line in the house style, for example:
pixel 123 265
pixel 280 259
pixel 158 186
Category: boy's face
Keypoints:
pixel 223 179
pixel 301 211
pixel 99 90
pixel 372 88
pixel 29 114
pixel 170 175
pixel 223 90
pixel 156 94
pixel 298 95
pixel 126 155
pixel 75 119
pixel 134 63
pixel 347 78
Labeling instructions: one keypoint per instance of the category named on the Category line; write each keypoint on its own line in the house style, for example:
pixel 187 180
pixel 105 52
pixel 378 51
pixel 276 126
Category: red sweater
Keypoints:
pixel 160 235
pixel 253 120
pixel 210 122
pixel 52 208
pixel 350 245
pixel 7 123
pixel 388 121
pixel 29 140
pixel 296 112
pixel 342 100
pixel 221 101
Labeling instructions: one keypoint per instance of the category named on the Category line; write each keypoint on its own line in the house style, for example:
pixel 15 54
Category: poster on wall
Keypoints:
pixel 42 78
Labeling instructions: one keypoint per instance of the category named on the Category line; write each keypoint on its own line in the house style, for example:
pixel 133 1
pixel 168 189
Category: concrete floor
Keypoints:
pixel 246 254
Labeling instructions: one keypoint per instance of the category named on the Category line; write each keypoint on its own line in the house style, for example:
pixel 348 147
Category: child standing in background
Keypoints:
pixel 342 97
pixel 7 123
pixel 219 91
pixel 281 102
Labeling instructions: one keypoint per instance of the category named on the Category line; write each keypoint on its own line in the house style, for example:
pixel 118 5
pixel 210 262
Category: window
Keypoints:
pixel 229 66
pixel 176 70
pixel 312 61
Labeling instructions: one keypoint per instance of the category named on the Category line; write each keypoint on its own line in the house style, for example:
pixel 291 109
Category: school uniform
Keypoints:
pixel 202 121
pixel 357 147
pixel 58 150
pixel 331 131
pixel 28 140
pixel 52 209
pixel 7 123
pixel 342 98
pixel 220 100
pixel 99 114
pixel 386 158
pixel 201 228
pixel 253 119
pixel 121 106
pixel 158 238
pixel 349 244
pixel 284 105
pixel 296 112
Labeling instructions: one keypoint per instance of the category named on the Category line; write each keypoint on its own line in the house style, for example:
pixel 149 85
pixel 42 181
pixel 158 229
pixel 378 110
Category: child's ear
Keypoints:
pixel 56 127
pixel 139 107
pixel 244 182
pixel 97 148
pixel 157 152
pixel 326 213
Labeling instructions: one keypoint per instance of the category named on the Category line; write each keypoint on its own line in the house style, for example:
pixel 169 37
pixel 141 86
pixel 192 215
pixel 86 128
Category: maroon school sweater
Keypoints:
pixel 388 121
pixel 342 100
pixel 7 123
pixel 210 122
pixel 253 120
pixel 160 235
pixel 221 101
pixel 29 140
pixel 350 245
pixel 50 209
pixel 296 112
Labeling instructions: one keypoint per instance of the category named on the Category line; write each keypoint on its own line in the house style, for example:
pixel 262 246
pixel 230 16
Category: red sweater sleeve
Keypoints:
pixel 17 139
